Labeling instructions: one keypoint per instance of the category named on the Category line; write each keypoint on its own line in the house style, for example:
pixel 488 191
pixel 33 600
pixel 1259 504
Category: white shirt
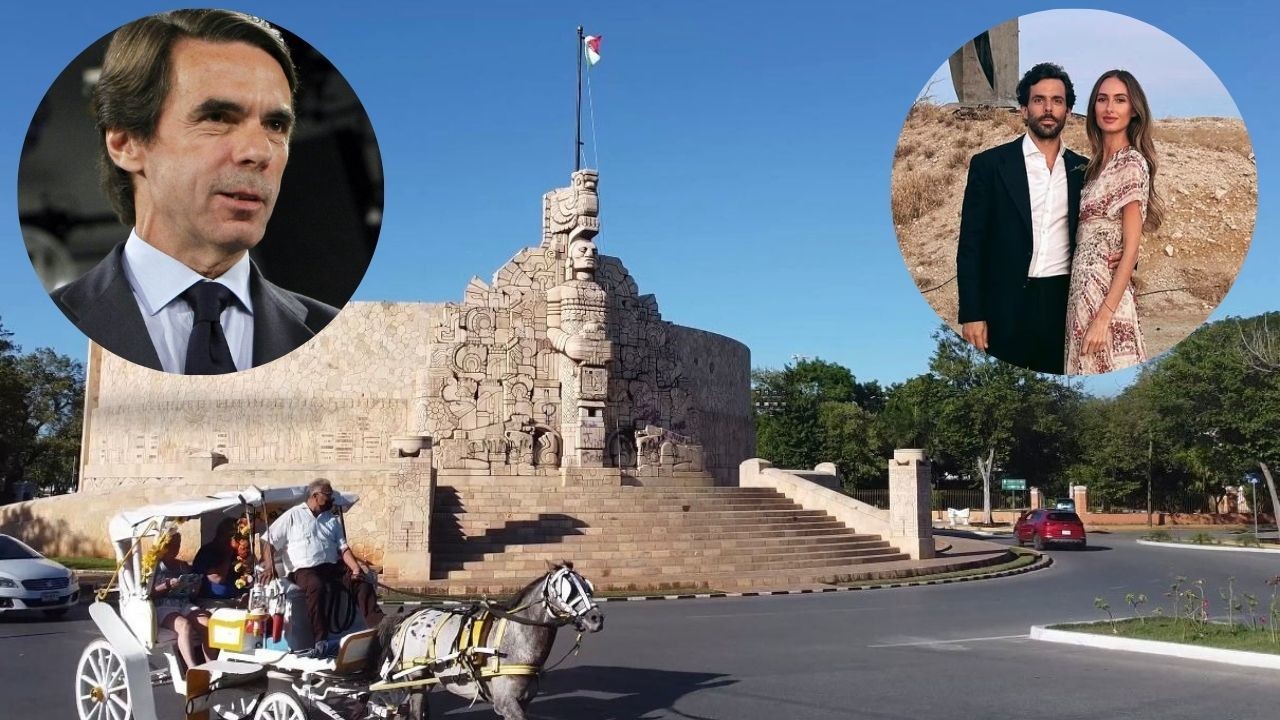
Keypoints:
pixel 1050 231
pixel 306 539
pixel 158 282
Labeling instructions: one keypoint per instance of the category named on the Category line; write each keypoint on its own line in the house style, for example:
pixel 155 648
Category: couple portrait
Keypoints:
pixel 1049 237
pixel 1079 208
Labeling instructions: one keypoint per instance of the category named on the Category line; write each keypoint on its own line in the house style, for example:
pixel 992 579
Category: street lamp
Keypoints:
pixel 1253 480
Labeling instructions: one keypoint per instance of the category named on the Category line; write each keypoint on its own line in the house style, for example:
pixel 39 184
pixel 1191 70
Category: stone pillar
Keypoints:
pixel 910 528
pixel 1080 493
pixel 408 522
pixel 1037 500
pixel 984 71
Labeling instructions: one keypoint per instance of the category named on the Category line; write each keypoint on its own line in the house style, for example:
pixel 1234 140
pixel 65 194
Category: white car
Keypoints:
pixel 30 581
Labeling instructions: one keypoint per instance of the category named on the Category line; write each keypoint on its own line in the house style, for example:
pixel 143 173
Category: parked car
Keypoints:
pixel 30 581
pixel 1049 526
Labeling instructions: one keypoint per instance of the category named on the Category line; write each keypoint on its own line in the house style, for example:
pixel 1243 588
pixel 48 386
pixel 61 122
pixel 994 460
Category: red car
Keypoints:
pixel 1045 526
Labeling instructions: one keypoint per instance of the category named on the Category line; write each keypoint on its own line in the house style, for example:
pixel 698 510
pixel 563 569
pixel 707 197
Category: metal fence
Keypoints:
pixel 1166 502
pixel 950 498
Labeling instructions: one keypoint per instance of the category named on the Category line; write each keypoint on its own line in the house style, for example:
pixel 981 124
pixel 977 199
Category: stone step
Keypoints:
pixel 454 553
pixel 688 582
pixel 617 505
pixel 648 571
pixel 539 534
pixel 688 559
pixel 529 485
pixel 622 515
pixel 594 543
pixel 506 499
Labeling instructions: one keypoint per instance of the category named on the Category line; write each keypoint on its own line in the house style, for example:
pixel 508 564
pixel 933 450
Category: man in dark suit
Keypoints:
pixel 195 113
pixel 1018 232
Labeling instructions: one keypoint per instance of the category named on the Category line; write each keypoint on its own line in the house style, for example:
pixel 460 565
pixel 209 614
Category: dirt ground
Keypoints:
pixel 1206 177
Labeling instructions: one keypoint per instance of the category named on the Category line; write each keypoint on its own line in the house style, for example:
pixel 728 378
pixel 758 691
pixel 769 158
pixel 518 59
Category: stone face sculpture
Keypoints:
pixel 576 317
pixel 555 365
pixel 661 450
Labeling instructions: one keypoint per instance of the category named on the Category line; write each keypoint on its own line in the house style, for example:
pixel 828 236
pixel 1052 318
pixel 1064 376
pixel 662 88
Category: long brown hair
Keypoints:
pixel 1140 137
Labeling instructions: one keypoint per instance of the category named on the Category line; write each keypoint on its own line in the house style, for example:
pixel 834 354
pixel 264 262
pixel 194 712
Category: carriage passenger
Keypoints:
pixel 173 585
pixel 216 561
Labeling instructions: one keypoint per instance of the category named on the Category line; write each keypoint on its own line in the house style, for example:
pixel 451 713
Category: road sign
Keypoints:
pixel 1013 484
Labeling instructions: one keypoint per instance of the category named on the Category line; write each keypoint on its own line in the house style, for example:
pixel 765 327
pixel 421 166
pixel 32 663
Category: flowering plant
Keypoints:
pixel 241 544
pixel 152 557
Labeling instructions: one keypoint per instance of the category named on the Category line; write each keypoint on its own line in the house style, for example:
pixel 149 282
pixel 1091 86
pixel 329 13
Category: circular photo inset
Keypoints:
pixel 1074 191
pixel 200 192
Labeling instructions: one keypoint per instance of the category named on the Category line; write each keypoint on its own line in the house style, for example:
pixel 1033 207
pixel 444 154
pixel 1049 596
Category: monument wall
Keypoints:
pixel 558 369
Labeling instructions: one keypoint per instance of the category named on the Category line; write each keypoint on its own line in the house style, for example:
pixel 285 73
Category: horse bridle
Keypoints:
pixel 568 601
pixel 572 597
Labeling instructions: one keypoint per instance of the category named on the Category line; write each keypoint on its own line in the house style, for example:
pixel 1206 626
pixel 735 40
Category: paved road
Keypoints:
pixel 941 651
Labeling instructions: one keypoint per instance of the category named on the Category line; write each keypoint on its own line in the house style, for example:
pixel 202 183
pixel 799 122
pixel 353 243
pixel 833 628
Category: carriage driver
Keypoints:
pixel 313 542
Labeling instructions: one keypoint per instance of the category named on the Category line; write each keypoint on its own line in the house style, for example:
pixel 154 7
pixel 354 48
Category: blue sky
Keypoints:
pixel 744 149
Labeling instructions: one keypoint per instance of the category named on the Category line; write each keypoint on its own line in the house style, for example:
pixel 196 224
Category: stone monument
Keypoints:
pixel 984 70
pixel 557 372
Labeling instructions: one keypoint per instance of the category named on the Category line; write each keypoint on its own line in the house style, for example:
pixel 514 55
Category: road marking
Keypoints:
pixel 952 642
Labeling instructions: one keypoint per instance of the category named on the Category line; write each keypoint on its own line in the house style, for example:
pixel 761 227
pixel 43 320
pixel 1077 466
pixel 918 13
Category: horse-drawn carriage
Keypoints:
pixel 268 666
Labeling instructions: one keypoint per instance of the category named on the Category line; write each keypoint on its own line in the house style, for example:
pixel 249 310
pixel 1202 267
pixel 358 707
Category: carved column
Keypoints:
pixel 910 528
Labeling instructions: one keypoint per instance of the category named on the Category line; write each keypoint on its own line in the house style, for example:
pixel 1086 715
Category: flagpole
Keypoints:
pixel 577 119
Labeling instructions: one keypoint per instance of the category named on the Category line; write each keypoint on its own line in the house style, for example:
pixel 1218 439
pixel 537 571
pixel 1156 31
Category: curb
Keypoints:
pixel 1043 562
pixel 1156 647
pixel 1220 548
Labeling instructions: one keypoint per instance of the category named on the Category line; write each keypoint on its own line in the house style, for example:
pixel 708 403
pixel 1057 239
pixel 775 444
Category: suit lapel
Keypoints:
pixel 1075 181
pixel 1013 173
pixel 112 317
pixel 279 320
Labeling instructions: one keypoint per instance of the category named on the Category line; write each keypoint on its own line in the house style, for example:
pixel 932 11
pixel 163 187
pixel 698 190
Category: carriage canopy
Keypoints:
pixel 147 519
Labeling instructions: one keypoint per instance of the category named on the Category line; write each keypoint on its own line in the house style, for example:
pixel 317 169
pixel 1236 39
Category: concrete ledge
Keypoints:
pixel 1197 546
pixel 1041 563
pixel 1154 647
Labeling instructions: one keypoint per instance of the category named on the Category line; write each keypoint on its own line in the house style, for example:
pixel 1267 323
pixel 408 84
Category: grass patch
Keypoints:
pixel 1165 629
pixel 916 193
pixel 86 563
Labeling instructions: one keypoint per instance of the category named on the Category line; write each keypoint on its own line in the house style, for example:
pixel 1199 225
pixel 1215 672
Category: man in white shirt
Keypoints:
pixel 195 112
pixel 314 551
pixel 1018 229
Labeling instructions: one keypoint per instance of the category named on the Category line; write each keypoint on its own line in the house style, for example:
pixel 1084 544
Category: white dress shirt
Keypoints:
pixel 158 282
pixel 1050 231
pixel 306 539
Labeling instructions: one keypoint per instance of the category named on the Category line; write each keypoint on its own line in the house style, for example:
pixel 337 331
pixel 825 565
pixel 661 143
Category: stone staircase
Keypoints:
pixel 494 538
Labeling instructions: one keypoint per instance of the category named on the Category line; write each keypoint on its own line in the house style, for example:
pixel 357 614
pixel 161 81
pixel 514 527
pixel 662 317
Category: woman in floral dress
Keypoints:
pixel 1118 203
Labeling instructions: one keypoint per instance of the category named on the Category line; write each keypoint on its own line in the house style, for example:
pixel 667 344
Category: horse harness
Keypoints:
pixel 473 651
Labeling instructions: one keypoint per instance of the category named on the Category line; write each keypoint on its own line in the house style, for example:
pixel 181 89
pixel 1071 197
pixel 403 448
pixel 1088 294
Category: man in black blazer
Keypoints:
pixel 1018 232
pixel 194 110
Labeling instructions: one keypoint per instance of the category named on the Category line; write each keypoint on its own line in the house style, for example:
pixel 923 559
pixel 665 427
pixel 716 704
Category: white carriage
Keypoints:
pixel 256 676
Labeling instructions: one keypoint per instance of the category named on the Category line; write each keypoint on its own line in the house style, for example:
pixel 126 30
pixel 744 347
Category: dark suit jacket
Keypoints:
pixel 102 305
pixel 995 236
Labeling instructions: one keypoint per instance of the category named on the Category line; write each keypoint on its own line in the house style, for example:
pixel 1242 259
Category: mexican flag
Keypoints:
pixel 591 45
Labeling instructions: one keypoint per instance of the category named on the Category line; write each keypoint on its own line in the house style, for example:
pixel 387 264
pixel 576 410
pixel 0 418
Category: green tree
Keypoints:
pixel 989 414
pixel 1216 400
pixel 850 440
pixel 797 423
pixel 41 404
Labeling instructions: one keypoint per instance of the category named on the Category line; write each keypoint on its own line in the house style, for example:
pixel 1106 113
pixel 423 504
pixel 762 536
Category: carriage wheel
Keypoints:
pixel 280 706
pixel 102 688
pixel 233 709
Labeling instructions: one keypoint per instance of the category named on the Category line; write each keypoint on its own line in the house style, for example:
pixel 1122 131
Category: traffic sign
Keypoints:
pixel 1013 484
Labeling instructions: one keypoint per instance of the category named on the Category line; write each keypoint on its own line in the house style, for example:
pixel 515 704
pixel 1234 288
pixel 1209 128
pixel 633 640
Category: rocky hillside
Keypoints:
pixel 1207 178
